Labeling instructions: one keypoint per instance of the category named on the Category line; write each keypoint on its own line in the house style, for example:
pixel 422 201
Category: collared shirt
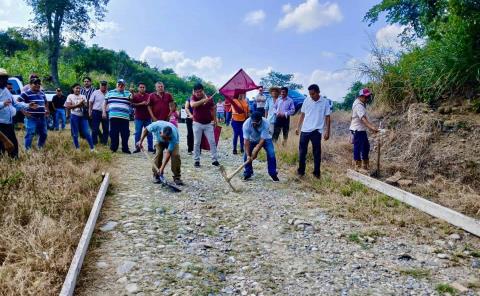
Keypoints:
pixel 203 113
pixel 358 112
pixel 98 99
pixel 141 112
pixel 261 100
pixel 271 106
pixel 160 105
pixel 7 112
pixel 74 100
pixel 285 106
pixel 256 134
pixel 118 104
pixel 87 92
pixel 156 129
pixel 38 98
pixel 315 112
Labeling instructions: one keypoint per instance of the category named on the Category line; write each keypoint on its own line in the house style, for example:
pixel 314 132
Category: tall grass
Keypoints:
pixel 45 199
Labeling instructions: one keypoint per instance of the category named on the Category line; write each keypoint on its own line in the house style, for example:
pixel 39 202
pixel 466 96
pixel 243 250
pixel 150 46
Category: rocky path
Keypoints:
pixel 269 239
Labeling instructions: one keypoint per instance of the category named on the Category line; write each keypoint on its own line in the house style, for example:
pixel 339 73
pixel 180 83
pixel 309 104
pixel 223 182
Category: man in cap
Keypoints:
pixel 166 135
pixel 358 127
pixel 36 118
pixel 95 112
pixel 117 104
pixel 256 133
pixel 314 121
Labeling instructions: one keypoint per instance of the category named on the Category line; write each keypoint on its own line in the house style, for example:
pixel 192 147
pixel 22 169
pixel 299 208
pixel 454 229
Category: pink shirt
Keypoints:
pixel 174 118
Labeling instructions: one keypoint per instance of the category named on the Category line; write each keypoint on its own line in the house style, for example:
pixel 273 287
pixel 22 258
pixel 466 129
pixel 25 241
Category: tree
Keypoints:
pixel 56 17
pixel 167 71
pixel 278 79
pixel 351 96
pixel 11 41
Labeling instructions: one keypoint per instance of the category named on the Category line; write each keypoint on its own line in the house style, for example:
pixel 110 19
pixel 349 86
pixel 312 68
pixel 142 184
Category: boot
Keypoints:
pixel 358 165
pixel 366 165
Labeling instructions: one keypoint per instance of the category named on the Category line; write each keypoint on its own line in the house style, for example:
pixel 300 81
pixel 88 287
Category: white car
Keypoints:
pixel 17 85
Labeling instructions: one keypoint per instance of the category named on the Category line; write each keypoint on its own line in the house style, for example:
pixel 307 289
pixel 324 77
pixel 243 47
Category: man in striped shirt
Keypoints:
pixel 87 90
pixel 118 105
pixel 36 117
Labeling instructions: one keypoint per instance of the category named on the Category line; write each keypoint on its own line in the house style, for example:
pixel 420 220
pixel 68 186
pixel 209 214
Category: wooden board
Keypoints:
pixel 77 261
pixel 466 223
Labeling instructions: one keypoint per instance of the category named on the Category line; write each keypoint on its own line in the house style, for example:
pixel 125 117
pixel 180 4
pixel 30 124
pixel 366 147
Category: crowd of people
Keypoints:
pixel 98 115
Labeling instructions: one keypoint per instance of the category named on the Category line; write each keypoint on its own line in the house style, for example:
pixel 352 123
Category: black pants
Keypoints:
pixel 119 127
pixel 9 131
pixel 316 138
pixel 282 124
pixel 189 123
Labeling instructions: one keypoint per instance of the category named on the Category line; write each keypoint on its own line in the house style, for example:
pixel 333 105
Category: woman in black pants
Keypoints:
pixel 189 122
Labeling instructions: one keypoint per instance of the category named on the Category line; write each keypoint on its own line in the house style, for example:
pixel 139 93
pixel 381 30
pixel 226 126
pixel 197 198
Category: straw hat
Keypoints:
pixel 3 72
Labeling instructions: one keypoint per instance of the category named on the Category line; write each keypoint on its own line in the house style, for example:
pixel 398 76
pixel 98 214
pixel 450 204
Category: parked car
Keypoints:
pixel 296 96
pixel 17 85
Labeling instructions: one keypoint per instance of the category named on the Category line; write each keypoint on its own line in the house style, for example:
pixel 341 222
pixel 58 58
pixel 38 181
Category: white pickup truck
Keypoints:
pixel 18 85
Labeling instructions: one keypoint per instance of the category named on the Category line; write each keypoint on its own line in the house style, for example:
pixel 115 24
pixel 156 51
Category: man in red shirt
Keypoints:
pixel 142 115
pixel 159 106
pixel 204 122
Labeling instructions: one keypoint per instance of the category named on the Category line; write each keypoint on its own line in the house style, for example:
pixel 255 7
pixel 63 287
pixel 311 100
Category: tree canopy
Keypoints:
pixel 278 79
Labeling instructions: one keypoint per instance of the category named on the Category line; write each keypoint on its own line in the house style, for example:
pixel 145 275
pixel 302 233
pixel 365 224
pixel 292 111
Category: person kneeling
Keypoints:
pixel 166 135
pixel 256 133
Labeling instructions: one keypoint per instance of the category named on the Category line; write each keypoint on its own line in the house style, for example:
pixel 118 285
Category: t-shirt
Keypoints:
pixel 59 101
pixel 236 114
pixel 358 112
pixel 256 134
pixel 203 114
pixel 220 107
pixel 141 112
pixel 315 112
pixel 156 129
pixel 98 99
pixel 118 104
pixel 34 97
pixel 174 118
pixel 74 99
pixel 160 105
pixel 7 112
pixel 260 99
pixel 87 92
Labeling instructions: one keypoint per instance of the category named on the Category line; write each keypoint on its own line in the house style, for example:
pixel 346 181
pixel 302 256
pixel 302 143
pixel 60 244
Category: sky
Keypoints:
pixel 318 41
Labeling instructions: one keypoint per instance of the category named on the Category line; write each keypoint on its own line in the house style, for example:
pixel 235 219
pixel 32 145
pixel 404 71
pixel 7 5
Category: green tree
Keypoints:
pixel 351 96
pixel 11 41
pixel 280 80
pixel 59 16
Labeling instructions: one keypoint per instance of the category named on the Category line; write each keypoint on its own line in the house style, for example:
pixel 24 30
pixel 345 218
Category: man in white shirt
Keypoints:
pixel 358 127
pixel 260 99
pixel 315 114
pixel 95 111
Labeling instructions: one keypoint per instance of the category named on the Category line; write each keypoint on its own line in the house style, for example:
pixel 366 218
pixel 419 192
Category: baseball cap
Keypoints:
pixel 365 92
pixel 3 72
pixel 121 81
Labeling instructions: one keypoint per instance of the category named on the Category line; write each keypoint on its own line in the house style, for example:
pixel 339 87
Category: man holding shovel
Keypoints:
pixel 256 133
pixel 166 137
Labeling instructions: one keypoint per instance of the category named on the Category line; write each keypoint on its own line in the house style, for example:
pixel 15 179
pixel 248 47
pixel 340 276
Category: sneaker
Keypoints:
pixel 93 150
pixel 197 164
pixel 215 163
pixel 247 177
pixel 136 151
pixel 275 179
pixel 235 152
pixel 178 182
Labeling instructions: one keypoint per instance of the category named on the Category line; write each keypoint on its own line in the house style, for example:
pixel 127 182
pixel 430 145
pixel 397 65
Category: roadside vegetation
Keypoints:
pixel 45 199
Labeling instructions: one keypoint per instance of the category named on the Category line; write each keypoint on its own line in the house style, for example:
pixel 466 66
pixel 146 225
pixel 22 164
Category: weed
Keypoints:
pixel 417 273
pixel 445 288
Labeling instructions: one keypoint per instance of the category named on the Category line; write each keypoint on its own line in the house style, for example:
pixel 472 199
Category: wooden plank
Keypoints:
pixel 71 280
pixel 466 223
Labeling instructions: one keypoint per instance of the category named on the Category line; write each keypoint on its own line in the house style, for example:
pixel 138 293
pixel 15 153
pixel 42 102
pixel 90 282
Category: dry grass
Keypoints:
pixel 45 200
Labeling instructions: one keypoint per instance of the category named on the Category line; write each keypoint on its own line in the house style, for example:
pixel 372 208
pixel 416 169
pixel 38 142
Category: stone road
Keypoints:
pixel 265 240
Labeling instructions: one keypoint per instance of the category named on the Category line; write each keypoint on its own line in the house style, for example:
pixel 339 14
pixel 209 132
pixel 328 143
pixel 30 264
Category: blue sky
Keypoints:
pixel 316 40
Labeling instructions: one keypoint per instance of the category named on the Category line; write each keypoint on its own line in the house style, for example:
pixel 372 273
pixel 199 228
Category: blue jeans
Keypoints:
pixel 237 127
pixel 96 120
pixel 35 125
pixel 271 160
pixel 228 118
pixel 80 124
pixel 139 125
pixel 316 138
pixel 361 146
pixel 59 114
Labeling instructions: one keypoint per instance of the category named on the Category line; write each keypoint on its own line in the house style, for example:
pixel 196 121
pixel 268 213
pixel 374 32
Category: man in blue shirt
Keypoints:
pixel 284 108
pixel 256 134
pixel 166 137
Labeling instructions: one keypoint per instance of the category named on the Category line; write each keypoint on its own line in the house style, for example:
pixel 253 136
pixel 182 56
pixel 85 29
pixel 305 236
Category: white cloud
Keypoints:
pixel 388 36
pixel 255 17
pixel 310 15
pixel 13 14
pixel 205 67
pixel 105 28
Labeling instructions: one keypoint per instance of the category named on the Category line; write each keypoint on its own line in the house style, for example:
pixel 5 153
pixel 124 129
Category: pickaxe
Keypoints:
pixel 229 178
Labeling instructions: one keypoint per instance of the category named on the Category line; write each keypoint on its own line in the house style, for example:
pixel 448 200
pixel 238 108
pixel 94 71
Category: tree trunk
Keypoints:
pixel 53 63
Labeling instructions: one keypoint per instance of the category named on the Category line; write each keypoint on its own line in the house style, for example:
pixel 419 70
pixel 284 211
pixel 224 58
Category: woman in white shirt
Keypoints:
pixel 77 104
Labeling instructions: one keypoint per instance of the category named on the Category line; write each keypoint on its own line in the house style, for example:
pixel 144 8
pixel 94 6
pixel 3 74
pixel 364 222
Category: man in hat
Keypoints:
pixel 256 133
pixel 166 135
pixel 358 127
pixel 117 104
pixel 36 118
pixel 95 111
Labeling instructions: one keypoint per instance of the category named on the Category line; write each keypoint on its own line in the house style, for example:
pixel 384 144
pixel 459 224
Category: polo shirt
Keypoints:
pixel 358 112
pixel 34 97
pixel 97 99
pixel 203 114
pixel 156 129
pixel 315 112
pixel 256 134
pixel 160 105
pixel 141 112
pixel 118 104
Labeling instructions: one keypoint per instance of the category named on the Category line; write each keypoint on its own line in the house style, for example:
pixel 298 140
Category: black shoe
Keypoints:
pixel 275 178
pixel 178 182
pixel 197 164
pixel 215 163
pixel 235 152
pixel 127 152
pixel 246 177
pixel 152 150
pixel 136 151
pixel 242 151
pixel 190 152
pixel 300 174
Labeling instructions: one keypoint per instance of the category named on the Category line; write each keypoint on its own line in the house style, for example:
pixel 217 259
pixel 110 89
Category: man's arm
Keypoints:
pixel 104 109
pixel 300 123
pixel 168 155
pixel 199 102
pixel 291 108
pixel 90 107
pixel 187 110
pixel 369 124
pixel 257 149
pixel 326 133
pixel 246 143
pixel 151 113
pixel 139 144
